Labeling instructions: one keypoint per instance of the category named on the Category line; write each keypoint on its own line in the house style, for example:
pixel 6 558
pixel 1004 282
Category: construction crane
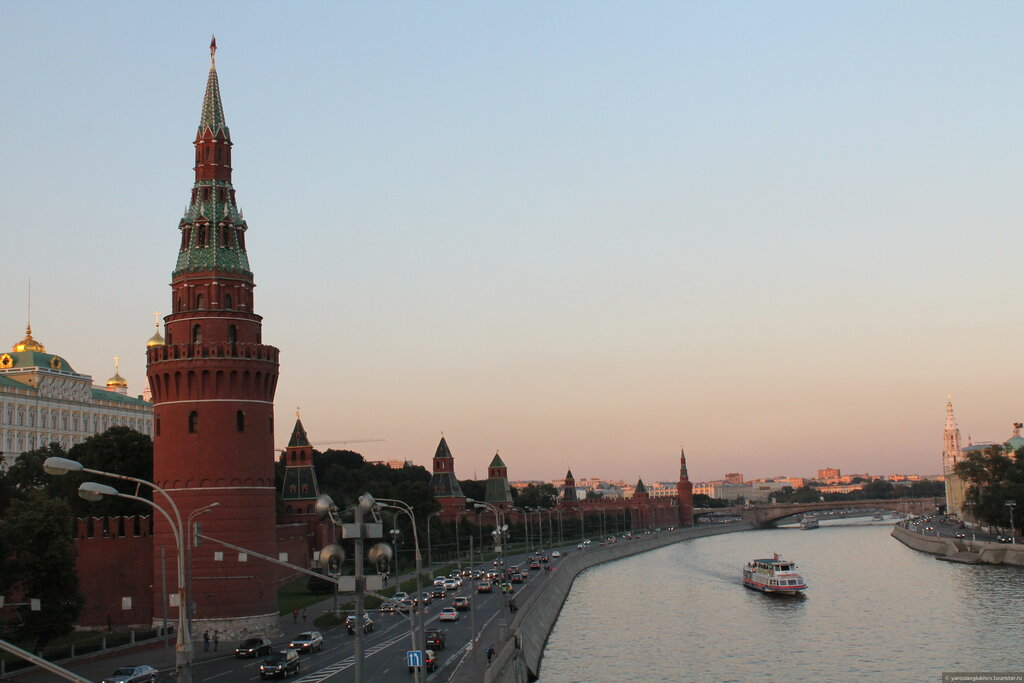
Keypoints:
pixel 337 443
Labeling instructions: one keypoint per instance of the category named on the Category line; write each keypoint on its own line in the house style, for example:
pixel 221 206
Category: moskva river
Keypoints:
pixel 874 610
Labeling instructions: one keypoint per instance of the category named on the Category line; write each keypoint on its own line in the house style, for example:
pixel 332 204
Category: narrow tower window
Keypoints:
pixel 228 302
pixel 193 422
pixel 240 421
pixel 197 334
pixel 200 301
pixel 232 334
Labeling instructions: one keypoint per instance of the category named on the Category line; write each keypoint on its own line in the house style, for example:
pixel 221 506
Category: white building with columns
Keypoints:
pixel 43 401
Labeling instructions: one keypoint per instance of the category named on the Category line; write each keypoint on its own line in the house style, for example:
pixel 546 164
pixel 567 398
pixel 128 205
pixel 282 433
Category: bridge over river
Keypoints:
pixel 762 516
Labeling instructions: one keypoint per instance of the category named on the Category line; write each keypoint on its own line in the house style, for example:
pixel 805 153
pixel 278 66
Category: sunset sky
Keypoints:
pixel 777 234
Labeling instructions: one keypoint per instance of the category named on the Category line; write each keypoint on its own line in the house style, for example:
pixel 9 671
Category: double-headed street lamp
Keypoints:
pixel 189 543
pixel 430 553
pixel 1013 532
pixel 92 491
pixel 418 640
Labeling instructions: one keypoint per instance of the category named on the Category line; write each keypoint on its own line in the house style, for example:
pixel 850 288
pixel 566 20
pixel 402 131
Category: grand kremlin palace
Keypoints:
pixel 43 401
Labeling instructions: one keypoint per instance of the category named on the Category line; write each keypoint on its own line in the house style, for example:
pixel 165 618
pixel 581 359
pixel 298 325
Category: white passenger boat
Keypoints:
pixel 809 522
pixel 773 575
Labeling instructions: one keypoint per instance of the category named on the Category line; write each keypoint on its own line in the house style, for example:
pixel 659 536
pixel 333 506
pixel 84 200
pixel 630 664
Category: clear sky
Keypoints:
pixel 584 233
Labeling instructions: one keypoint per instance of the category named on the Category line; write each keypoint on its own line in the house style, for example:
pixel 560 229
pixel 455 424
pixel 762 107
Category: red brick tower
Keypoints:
pixel 299 490
pixel 569 488
pixel 445 485
pixel 684 492
pixel 213 388
pixel 497 491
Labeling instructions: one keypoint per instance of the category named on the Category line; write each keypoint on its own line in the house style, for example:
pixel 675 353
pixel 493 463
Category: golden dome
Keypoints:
pixel 155 340
pixel 28 343
pixel 116 381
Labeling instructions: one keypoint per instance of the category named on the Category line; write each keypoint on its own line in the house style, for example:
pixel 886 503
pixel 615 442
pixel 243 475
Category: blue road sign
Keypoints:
pixel 414 658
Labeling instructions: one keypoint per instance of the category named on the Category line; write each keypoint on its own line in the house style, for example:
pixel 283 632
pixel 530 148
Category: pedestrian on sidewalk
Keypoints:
pixel 490 654
pixel 206 641
pixel 512 605
pixel 304 615
pixel 510 610
pixel 216 640
pixel 295 615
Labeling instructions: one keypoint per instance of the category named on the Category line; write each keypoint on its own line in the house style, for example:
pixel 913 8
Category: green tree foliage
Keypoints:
pixel 537 495
pixel 41 563
pixel 474 488
pixel 994 477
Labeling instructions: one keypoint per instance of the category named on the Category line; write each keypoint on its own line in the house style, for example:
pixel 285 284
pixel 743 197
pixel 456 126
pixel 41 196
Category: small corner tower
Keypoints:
pixel 684 492
pixel 569 488
pixel 299 490
pixel 445 485
pixel 498 493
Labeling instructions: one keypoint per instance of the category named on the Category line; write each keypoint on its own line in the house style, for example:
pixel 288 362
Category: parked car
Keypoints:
pixel 429 660
pixel 139 673
pixel 435 638
pixel 448 614
pixel 280 665
pixel 254 647
pixel 350 624
pixel 307 641
pixel 461 603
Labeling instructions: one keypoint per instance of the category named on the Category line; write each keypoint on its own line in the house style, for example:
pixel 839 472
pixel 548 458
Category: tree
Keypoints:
pixel 994 478
pixel 42 564
pixel 537 495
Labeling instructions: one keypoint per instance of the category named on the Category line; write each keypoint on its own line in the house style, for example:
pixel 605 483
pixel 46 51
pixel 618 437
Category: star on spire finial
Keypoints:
pixel 213 50
pixel 297 411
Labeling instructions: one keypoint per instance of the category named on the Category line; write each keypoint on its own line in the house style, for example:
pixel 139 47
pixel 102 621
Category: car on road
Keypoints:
pixel 555 555
pixel 307 641
pixel 516 578
pixel 388 607
pixel 138 673
pixel 461 603
pixel 961 534
pixel 405 606
pixel 280 665
pixel 491 576
pixel 399 596
pixel 579 547
pixel 423 598
pixel 448 614
pixel 450 585
pixel 430 660
pixel 350 624
pixel 535 565
pixel 439 580
pixel 434 638
pixel 254 647
pixel 1004 539
pixel 484 587
pixel 437 592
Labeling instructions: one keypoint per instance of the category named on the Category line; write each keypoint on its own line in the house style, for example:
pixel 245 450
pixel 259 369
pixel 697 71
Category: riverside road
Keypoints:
pixel 385 647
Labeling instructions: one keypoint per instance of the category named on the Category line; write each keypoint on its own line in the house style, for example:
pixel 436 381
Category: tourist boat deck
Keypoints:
pixel 773 575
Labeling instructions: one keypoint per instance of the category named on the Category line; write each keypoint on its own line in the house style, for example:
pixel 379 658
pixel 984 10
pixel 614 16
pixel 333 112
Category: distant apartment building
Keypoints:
pixel 829 473
pixel 734 477
pixel 722 490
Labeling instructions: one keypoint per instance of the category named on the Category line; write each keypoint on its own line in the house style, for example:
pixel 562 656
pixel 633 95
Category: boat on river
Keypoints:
pixel 809 522
pixel 773 575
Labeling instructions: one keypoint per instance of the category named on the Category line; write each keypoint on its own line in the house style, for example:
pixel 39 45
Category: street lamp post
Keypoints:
pixel 189 540
pixel 430 552
pixel 418 630
pixel 1013 532
pixel 183 647
pixel 561 530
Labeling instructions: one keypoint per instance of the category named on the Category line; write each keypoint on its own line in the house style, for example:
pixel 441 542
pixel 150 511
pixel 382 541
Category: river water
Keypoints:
pixel 874 610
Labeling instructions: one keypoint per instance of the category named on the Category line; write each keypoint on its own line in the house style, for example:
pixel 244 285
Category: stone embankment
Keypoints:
pixel 518 656
pixel 961 550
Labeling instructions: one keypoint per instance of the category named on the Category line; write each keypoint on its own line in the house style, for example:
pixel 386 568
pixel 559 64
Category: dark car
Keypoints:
pixel 516 578
pixel 280 664
pixel 140 673
pixel 437 592
pixel 535 565
pixel 1004 539
pixel 430 659
pixel 435 638
pixel 254 647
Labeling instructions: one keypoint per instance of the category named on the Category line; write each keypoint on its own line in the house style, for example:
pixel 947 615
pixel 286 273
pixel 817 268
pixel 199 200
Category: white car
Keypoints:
pixel 448 614
pixel 307 641
pixel 451 585
pixel 555 554
pixel 439 580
